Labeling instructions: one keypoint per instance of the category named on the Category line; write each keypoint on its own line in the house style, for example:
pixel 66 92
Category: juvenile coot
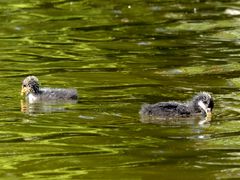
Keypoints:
pixel 200 103
pixel 33 92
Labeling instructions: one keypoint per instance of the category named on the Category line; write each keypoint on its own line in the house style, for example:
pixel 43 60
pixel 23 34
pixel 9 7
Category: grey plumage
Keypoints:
pixel 57 93
pixel 33 93
pixel 201 103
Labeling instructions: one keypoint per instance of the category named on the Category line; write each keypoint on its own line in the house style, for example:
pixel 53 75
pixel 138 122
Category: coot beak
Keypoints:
pixel 207 111
pixel 24 90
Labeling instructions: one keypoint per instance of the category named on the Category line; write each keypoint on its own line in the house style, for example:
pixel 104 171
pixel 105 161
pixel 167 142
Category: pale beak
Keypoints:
pixel 23 91
pixel 203 106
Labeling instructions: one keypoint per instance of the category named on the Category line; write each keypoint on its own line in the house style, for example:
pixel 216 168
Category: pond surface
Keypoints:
pixel 119 55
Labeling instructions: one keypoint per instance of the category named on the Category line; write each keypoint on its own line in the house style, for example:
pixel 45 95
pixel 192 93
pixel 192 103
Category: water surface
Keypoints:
pixel 119 55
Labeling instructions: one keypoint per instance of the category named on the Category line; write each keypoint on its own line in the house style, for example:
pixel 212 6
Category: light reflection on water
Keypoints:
pixel 119 55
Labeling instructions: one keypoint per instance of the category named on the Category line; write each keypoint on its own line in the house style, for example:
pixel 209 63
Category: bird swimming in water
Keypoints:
pixel 33 93
pixel 200 103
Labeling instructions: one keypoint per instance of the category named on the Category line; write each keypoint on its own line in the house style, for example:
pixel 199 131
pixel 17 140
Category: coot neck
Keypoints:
pixel 193 107
pixel 36 90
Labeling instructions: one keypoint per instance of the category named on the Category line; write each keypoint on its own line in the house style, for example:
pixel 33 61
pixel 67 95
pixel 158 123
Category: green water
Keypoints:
pixel 119 55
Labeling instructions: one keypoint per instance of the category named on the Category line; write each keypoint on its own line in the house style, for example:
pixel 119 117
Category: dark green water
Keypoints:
pixel 119 55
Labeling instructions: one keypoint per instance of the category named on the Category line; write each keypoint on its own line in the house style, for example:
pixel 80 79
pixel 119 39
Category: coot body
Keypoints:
pixel 33 93
pixel 201 103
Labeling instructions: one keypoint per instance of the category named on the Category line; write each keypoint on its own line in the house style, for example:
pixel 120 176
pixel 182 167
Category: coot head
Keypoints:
pixel 30 85
pixel 203 102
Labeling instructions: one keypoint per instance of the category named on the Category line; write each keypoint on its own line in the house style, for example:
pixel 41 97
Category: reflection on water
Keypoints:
pixel 119 55
pixel 45 107
pixel 197 119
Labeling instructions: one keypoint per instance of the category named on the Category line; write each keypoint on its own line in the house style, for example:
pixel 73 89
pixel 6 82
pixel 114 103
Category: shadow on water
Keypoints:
pixel 119 55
